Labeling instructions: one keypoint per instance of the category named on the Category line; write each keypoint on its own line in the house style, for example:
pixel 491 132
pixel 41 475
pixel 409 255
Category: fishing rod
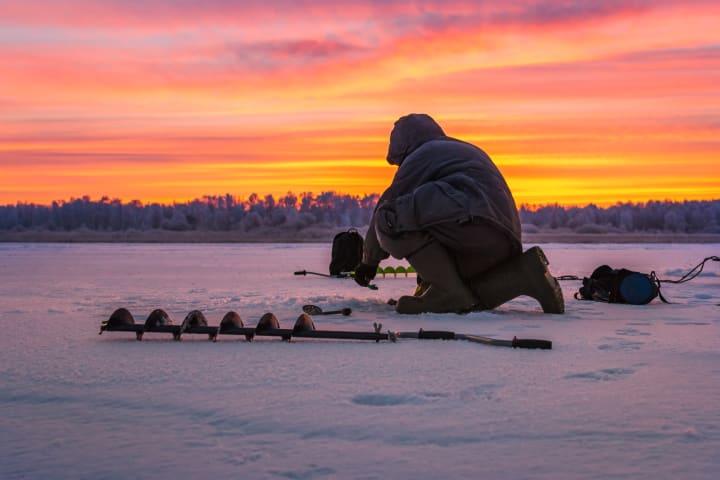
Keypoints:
pixel 385 272
pixel 195 322
pixel 306 272
pixel 389 270
pixel 372 286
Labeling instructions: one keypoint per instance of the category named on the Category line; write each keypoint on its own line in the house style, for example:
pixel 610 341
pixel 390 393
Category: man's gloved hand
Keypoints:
pixel 364 274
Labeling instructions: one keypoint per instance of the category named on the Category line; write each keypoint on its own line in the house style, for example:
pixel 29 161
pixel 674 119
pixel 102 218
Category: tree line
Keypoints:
pixel 330 209
pixel 701 216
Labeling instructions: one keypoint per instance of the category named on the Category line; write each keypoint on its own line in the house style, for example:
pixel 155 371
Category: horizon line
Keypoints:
pixel 262 196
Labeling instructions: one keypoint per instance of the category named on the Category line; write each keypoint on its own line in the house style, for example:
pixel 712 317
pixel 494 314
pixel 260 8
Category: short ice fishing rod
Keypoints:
pixel 372 286
pixel 340 275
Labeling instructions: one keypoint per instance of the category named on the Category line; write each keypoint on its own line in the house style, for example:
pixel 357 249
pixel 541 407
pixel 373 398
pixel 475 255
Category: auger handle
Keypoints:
pixel 344 311
pixel 301 272
pixel 531 343
pixel 435 335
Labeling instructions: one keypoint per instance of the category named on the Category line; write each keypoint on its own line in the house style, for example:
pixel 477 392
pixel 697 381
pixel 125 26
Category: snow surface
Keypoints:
pixel 627 392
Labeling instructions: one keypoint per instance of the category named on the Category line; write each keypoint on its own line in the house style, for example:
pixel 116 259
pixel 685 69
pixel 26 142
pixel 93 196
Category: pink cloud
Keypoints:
pixel 430 14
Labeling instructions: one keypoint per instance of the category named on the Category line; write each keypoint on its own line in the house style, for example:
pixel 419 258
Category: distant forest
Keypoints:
pixel 328 209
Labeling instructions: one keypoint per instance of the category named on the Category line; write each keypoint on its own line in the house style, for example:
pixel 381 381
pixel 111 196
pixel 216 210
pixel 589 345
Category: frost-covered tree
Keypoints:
pixel 226 212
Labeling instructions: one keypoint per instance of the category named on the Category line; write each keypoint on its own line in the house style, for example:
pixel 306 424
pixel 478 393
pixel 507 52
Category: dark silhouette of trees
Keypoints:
pixel 654 216
pixel 217 213
pixel 329 209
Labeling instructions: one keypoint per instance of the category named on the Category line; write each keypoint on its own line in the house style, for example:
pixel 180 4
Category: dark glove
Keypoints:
pixel 364 274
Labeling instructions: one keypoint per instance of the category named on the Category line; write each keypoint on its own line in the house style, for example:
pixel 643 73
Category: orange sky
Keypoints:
pixel 575 101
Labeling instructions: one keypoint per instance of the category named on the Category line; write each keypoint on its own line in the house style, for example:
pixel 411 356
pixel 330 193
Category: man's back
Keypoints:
pixel 465 173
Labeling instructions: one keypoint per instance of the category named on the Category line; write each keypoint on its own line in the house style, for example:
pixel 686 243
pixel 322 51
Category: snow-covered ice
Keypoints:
pixel 627 392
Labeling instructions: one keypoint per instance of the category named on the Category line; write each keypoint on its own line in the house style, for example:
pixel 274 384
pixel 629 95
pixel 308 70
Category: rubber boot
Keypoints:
pixel 447 291
pixel 526 274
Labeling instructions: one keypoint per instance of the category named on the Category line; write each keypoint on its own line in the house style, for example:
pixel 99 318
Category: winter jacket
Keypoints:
pixel 439 179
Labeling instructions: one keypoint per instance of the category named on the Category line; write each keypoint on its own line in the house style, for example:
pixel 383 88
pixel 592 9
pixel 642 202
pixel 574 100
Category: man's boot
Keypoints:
pixel 526 274
pixel 447 291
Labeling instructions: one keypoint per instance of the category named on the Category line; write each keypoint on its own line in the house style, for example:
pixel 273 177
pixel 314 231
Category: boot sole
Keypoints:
pixel 558 307
pixel 412 305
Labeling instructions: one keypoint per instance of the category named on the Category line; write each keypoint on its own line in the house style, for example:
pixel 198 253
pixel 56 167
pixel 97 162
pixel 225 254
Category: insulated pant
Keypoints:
pixel 475 247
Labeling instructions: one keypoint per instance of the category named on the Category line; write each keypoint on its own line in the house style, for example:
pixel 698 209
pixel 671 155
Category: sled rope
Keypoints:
pixel 693 273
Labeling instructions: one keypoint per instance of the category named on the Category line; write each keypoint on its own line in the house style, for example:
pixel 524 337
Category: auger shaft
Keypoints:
pixel 284 333
pixel 288 333
pixel 195 323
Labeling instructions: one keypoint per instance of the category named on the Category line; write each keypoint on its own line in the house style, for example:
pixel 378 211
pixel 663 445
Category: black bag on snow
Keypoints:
pixel 347 251
pixel 620 286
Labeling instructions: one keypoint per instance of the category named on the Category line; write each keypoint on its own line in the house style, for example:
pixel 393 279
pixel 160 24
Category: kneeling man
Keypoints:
pixel 450 213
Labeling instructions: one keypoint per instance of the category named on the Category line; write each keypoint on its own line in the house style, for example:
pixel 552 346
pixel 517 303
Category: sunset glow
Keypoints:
pixel 576 102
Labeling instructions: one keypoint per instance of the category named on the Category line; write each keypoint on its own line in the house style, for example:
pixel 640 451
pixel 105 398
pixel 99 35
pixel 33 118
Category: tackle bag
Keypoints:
pixel 620 286
pixel 347 252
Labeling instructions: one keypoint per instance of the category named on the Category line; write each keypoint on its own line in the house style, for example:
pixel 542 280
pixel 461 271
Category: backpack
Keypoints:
pixel 347 252
pixel 620 286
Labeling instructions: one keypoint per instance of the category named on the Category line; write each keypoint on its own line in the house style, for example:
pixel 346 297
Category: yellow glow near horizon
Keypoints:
pixel 575 105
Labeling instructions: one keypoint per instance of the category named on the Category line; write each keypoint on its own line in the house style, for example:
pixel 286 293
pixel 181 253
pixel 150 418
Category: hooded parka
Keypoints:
pixel 439 180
